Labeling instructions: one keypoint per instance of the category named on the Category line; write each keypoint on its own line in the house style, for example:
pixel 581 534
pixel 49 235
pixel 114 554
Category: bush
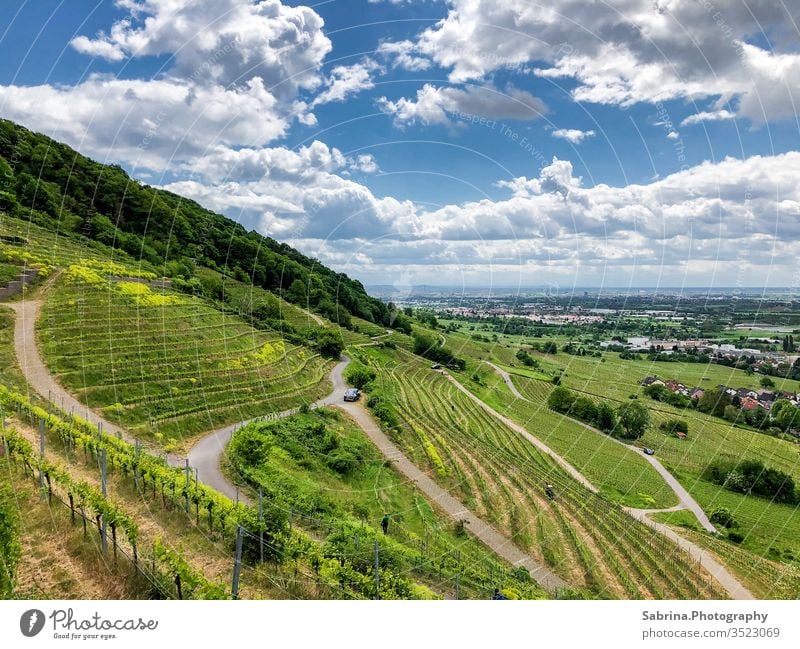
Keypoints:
pixel 10 549
pixel 359 375
pixel 751 477
pixel 723 517
pixel 329 343
pixel 735 537
pixel 561 399
pixel 675 426
pixel 606 417
pixel 634 418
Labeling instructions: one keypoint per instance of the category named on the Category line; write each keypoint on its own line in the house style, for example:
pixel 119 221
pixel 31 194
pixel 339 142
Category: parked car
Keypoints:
pixel 648 451
pixel 352 394
pixel 436 366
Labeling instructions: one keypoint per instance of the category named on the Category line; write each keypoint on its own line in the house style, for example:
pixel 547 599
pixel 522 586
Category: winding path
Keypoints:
pixel 685 500
pixel 38 376
pixel 735 589
pixel 207 454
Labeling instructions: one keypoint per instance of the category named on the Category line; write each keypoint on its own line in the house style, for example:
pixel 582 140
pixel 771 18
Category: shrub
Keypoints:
pixel 675 426
pixel 606 417
pixel 634 418
pixel 723 517
pixel 735 537
pixel 359 375
pixel 561 399
pixel 751 477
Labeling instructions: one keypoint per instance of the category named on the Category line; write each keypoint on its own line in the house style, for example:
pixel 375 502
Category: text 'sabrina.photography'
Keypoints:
pixel 400 323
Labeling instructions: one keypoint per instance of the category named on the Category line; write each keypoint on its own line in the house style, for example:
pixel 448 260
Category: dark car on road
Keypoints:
pixel 352 394
pixel 648 451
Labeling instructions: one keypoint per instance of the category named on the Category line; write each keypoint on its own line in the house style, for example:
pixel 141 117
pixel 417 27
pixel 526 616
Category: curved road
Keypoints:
pixel 685 499
pixel 735 589
pixel 207 454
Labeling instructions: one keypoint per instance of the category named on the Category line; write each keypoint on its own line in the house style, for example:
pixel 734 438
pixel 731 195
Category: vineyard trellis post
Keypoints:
pixel 377 571
pixel 261 524
pixel 186 491
pixel 237 563
pixel 458 587
pixel 104 489
pixel 41 453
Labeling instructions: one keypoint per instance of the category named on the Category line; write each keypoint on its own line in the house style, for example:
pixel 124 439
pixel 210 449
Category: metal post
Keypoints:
pixel 41 452
pixel 187 484
pixel 261 524
pixel 237 563
pixel 104 487
pixel 291 517
pixel 458 588
pixel 377 571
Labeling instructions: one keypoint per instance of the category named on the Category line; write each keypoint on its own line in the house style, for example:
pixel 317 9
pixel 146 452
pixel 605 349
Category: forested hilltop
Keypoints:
pixel 50 184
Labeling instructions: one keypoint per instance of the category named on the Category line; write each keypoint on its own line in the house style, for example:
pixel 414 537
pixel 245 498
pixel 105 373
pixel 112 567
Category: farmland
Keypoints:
pixel 167 365
pixel 320 467
pixel 501 477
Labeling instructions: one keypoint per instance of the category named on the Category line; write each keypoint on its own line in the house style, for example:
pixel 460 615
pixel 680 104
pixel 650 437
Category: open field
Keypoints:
pixel 584 537
pixel 162 363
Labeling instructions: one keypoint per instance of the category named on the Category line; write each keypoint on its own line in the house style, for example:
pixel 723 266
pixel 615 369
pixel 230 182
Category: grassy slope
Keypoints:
pixel 373 489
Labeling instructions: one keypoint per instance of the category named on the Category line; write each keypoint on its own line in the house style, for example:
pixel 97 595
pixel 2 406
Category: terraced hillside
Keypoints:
pixel 583 536
pixel 164 364
pixel 620 473
pixel 769 529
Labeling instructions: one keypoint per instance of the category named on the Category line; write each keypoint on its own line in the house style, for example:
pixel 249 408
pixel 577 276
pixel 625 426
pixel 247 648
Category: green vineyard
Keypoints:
pixel 586 538
pixel 163 363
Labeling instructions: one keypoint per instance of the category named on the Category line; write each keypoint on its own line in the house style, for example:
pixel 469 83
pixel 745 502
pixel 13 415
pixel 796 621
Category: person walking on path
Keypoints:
pixel 385 523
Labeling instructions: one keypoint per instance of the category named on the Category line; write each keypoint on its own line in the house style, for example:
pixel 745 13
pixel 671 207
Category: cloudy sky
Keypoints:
pixel 476 142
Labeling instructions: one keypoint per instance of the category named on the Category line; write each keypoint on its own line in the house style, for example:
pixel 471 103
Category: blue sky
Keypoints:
pixel 447 141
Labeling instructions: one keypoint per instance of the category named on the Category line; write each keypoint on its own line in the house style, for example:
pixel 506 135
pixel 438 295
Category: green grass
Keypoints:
pixel 8 272
pixel 619 472
pixel 169 364
pixel 499 475
pixel 56 249
pixel 322 466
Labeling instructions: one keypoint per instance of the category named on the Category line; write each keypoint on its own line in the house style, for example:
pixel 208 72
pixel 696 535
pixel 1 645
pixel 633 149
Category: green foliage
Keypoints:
pixel 526 359
pixel 432 348
pixel 723 517
pixel 329 343
pixel 62 190
pixel 675 426
pixel 561 399
pixel 10 548
pixel 766 382
pixel 714 402
pixel 665 395
pixel 606 417
pixel 634 418
pixel 751 477
pixel 359 375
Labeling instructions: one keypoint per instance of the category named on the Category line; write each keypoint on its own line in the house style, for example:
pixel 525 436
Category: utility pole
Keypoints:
pixel 237 563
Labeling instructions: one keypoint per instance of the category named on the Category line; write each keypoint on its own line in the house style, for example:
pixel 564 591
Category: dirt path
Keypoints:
pixel 38 376
pixel 685 499
pixel 735 589
pixel 208 453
